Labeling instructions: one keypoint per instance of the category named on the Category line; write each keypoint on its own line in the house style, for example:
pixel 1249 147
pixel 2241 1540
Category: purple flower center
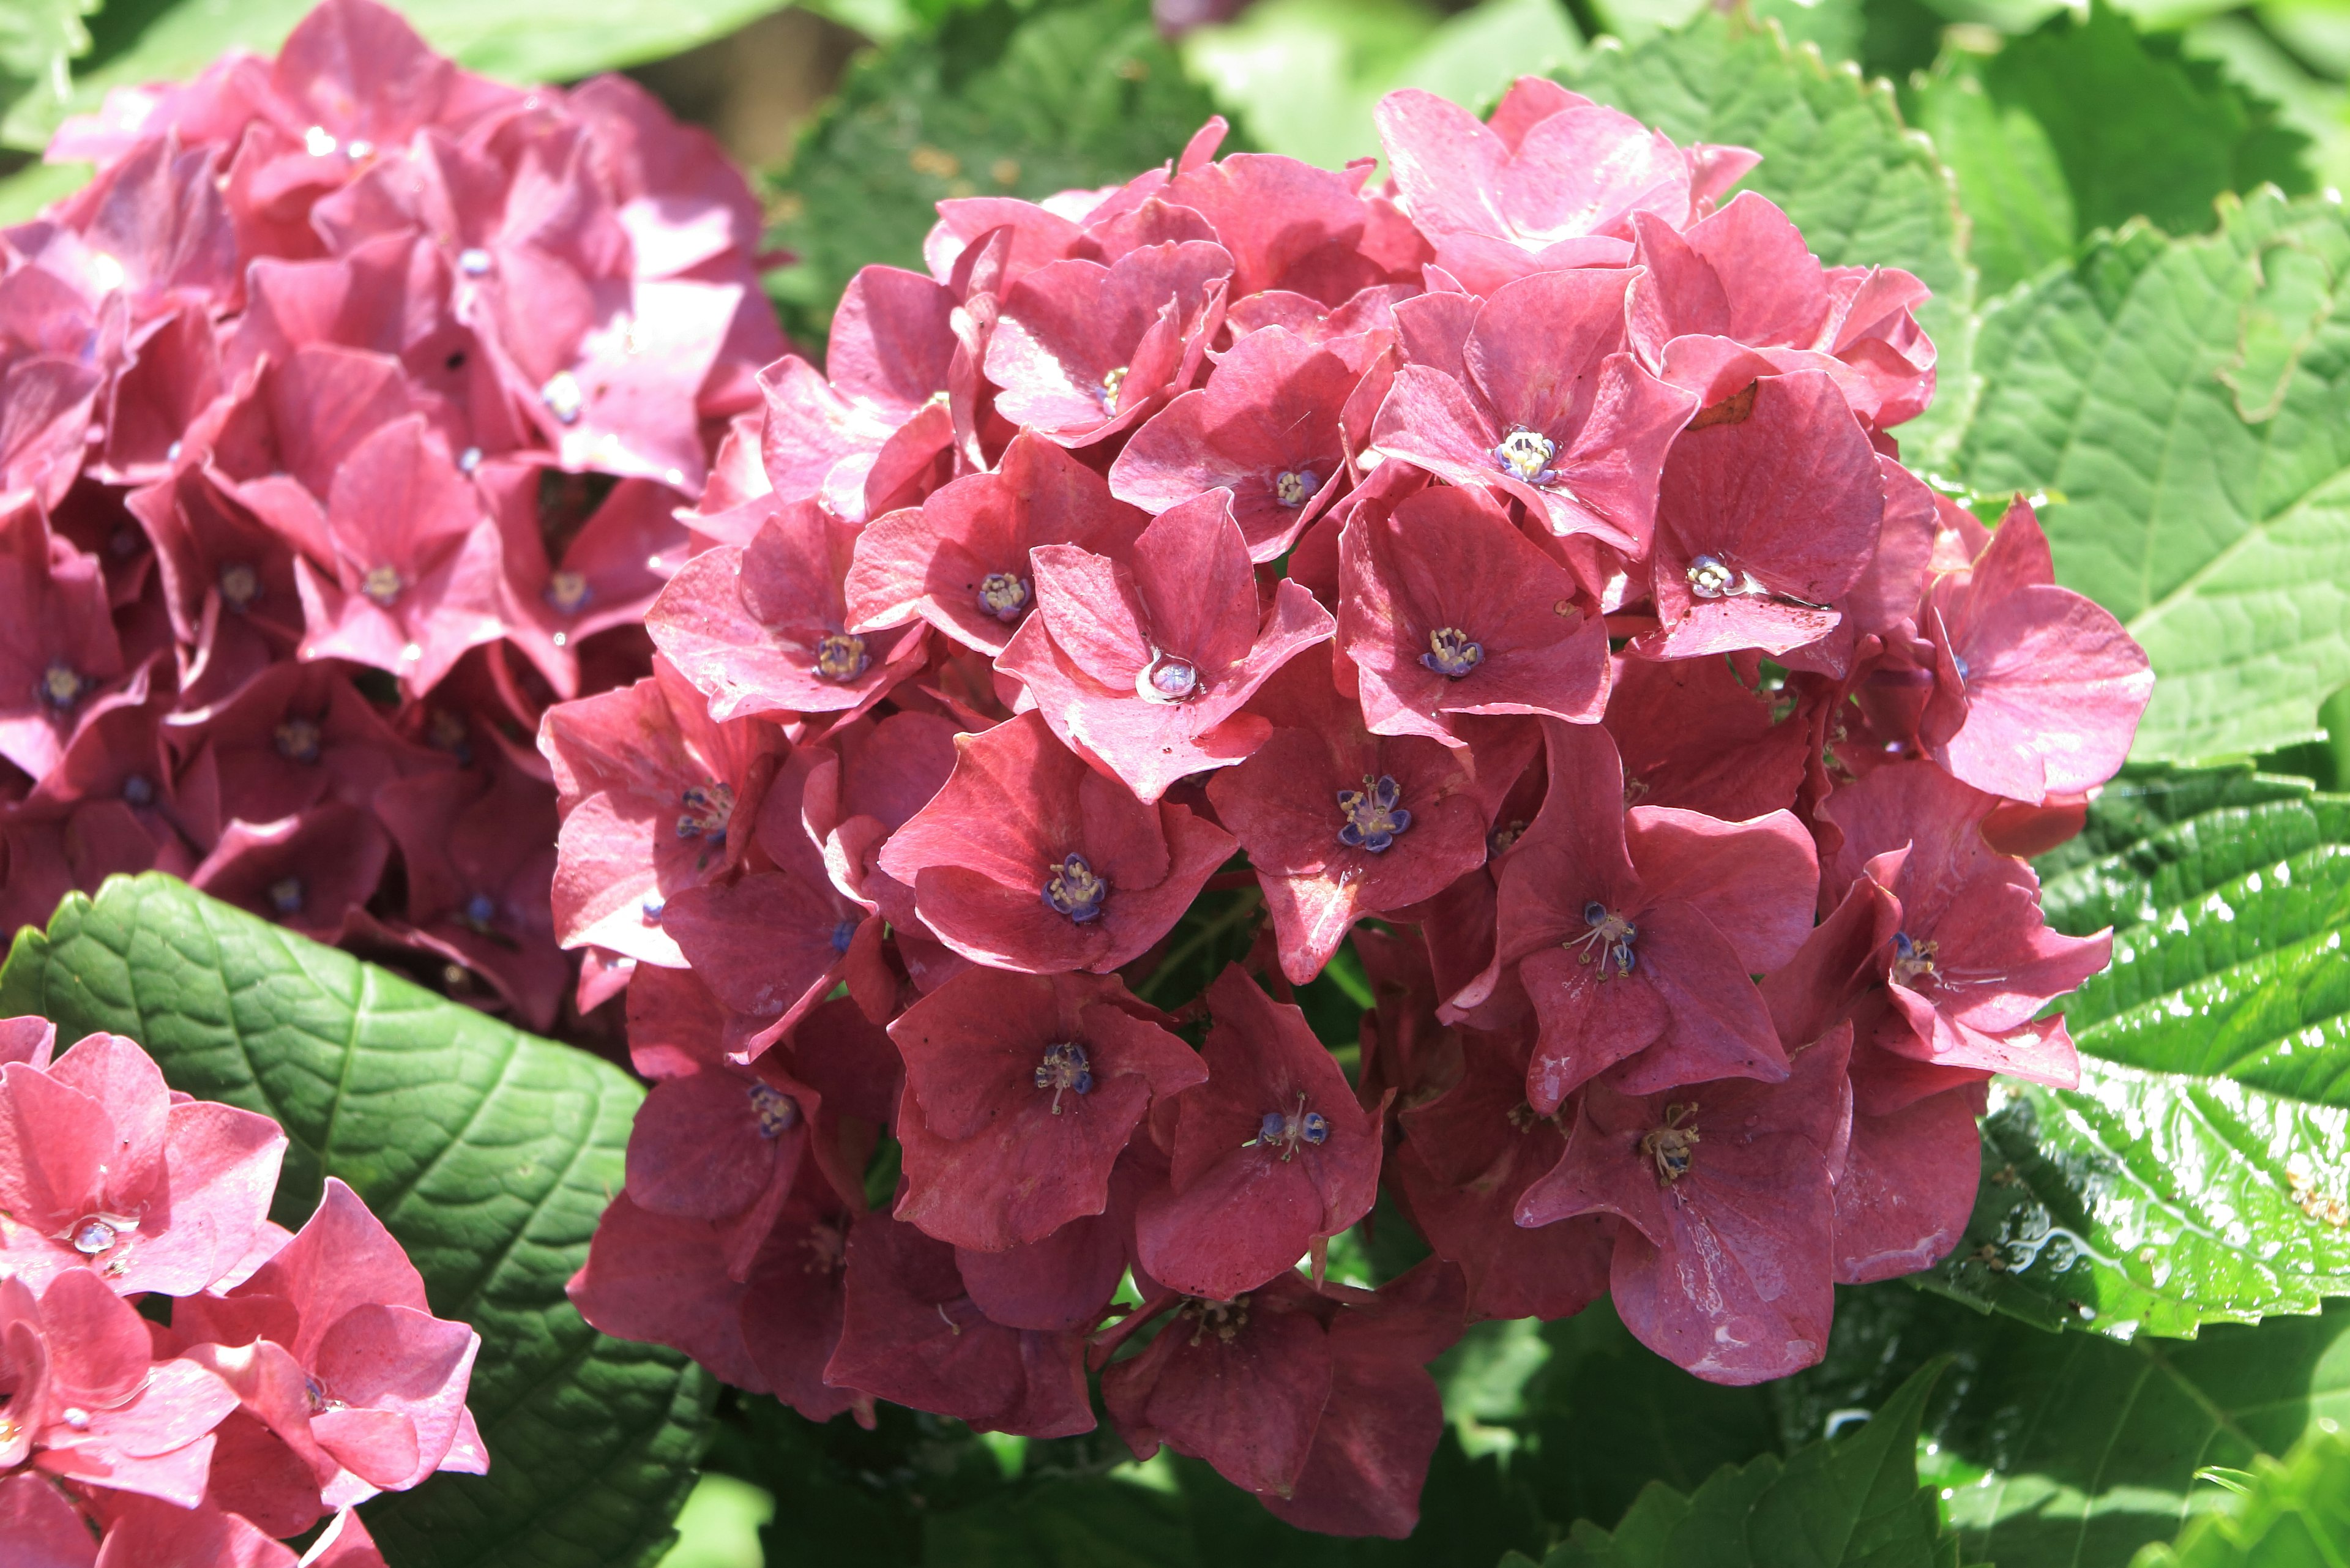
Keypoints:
pixel 480 910
pixel 842 934
pixel 60 685
pixel 1610 939
pixel 709 810
pixel 649 911
pixel 1669 1147
pixel 1373 817
pixel 286 895
pixel 1295 487
pixel 777 1112
pixel 1286 1130
pixel 1111 384
pixel 567 592
pixel 840 656
pixel 1451 653
pixel 298 740
pixel 240 584
pixel 1527 454
pixel 1913 961
pixel 138 789
pixel 1073 890
pixel 1167 679
pixel 383 586
pixel 1065 1071
pixel 1003 596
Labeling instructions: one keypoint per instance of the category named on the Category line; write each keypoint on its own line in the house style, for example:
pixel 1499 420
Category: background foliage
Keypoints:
pixel 2127 216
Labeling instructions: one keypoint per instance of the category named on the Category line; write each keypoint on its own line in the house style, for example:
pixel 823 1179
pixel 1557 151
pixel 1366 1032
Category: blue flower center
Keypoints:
pixel 709 810
pixel 1912 960
pixel 842 934
pixel 1527 454
pixel 286 895
pixel 1003 596
pixel 777 1112
pixel 1451 653
pixel 60 686
pixel 567 592
pixel 1065 1071
pixel 1610 940
pixel 841 657
pixel 1294 488
pixel 1072 890
pixel 1288 1130
pixel 1373 817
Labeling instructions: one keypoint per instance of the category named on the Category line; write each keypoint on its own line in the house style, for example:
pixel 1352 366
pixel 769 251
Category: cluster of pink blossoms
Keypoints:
pixel 344 419
pixel 1516 558
pixel 293 1377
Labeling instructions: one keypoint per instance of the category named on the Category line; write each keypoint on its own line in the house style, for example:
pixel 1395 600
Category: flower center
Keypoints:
pixel 1669 1147
pixel 840 656
pixel 1223 1319
pixel 1073 890
pixel 1373 817
pixel 240 584
pixel 709 809
pixel 479 911
pixel 777 1112
pixel 842 934
pixel 1711 578
pixel 1295 487
pixel 299 739
pixel 1527 454
pixel 1286 1130
pixel 1610 939
pixel 138 789
pixel 1167 679
pixel 563 398
pixel 1451 653
pixel 1110 385
pixel 568 591
pixel 1003 596
pixel 1960 666
pixel 383 586
pixel 1913 961
pixel 60 686
pixel 1065 1070
pixel 286 895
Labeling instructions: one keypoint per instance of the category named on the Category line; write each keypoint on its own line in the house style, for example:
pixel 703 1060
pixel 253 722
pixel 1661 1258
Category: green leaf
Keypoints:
pixel 39 40
pixel 2295 1510
pixel 487 1152
pixel 999 101
pixel 2140 130
pixel 2018 207
pixel 1865 190
pixel 518 40
pixel 2073 1450
pixel 1849 1500
pixel 2178 403
pixel 2196 1175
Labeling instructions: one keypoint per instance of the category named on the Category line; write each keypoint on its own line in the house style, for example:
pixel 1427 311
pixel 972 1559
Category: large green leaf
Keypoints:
pixel 2071 1450
pixel 2294 1511
pixel 1865 190
pixel 2179 404
pixel 2197 1174
pixel 487 1152
pixel 1851 1500
pixel 520 40
pixel 2018 209
pixel 38 41
pixel 1000 101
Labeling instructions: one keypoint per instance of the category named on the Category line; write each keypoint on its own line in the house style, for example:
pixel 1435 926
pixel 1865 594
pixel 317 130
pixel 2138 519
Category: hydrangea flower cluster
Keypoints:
pixel 294 1376
pixel 344 418
pixel 1508 571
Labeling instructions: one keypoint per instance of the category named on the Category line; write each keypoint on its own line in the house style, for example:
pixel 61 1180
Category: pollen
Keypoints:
pixel 1527 454
pixel 1110 385
pixel 776 1112
pixel 1073 890
pixel 1451 652
pixel 1288 1131
pixel 1167 679
pixel 1003 596
pixel 1065 1071
pixel 1913 961
pixel 709 810
pixel 1295 487
pixel 240 584
pixel 1711 578
pixel 1669 1147
pixel 383 586
pixel 567 592
pixel 1609 939
pixel 60 685
pixel 841 657
pixel 298 738
pixel 1373 817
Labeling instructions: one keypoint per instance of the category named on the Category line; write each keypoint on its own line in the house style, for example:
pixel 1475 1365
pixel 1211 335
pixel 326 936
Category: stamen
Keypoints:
pixel 1611 938
pixel 777 1112
pixel 1167 679
pixel 240 584
pixel 1295 487
pixel 60 686
pixel 1913 961
pixel 1065 1070
pixel 567 592
pixel 383 586
pixel 1286 1130
pixel 709 812
pixel 1073 890
pixel 1373 817
pixel 1223 1319
pixel 1003 596
pixel 298 740
pixel 1669 1147
pixel 1527 454
pixel 840 656
pixel 1110 385
pixel 286 895
pixel 1451 652
pixel 138 789
pixel 480 910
